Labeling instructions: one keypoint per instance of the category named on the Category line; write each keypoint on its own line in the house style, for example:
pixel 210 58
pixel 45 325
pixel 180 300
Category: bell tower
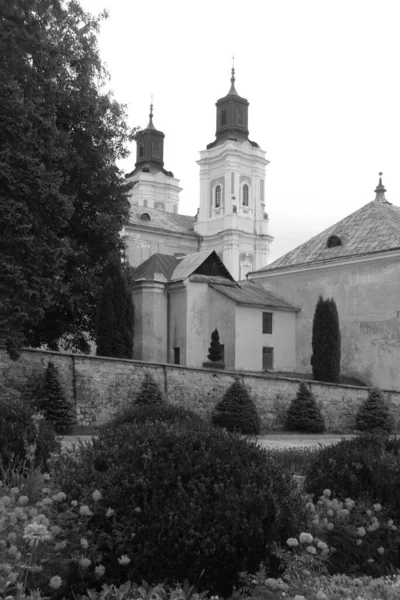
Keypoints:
pixel 153 185
pixel 232 218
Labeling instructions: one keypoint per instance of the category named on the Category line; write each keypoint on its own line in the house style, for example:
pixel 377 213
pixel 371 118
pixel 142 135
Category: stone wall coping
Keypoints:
pixel 74 356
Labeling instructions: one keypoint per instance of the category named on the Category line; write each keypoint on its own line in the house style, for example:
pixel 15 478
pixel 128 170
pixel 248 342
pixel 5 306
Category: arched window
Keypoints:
pixel 333 241
pixel 159 205
pixel 245 195
pixel 218 196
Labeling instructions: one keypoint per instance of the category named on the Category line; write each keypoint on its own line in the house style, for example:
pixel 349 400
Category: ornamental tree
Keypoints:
pixel 325 359
pixel 53 403
pixel 303 413
pixel 215 349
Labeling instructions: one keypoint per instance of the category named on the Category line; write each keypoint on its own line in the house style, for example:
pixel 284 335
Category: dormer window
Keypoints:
pixel 223 117
pixel 333 241
pixel 218 196
pixel 245 195
pixel 145 217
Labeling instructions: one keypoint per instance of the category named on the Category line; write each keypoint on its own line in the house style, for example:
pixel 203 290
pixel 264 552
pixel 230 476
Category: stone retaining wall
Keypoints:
pixel 98 386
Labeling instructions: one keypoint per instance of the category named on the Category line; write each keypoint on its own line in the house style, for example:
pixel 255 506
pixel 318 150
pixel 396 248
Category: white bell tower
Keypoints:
pixel 232 218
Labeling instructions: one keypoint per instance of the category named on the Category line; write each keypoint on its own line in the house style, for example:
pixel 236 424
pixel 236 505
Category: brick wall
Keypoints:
pixel 98 386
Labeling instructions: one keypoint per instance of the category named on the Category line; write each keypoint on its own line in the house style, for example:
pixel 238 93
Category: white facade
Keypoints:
pixel 155 190
pixel 232 218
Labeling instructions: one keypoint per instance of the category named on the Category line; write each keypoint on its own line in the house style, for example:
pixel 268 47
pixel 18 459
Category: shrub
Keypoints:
pixel 303 413
pixel 215 349
pixel 158 412
pixel 18 432
pixel 325 359
pixel 150 394
pixel 53 403
pixel 236 411
pixel 188 499
pixel 367 466
pixel 373 413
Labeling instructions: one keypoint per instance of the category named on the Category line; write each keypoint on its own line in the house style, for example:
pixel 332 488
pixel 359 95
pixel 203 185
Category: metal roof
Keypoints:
pixel 250 293
pixel 373 228
pixel 158 267
pixel 188 264
pixel 160 219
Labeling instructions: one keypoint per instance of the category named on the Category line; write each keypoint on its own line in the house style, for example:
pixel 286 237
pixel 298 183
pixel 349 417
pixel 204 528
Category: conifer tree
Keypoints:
pixel 150 393
pixel 215 350
pixel 54 404
pixel 325 359
pixel 115 314
pixel 236 411
pixel 373 413
pixel 303 413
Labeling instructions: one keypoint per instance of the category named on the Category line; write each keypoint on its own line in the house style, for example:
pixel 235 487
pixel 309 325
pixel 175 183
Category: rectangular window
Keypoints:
pixel 222 352
pixel 262 191
pixel 267 359
pixel 239 116
pixel 267 322
pixel 141 151
pixel 156 149
pixel 177 356
pixel 223 117
pixel 232 183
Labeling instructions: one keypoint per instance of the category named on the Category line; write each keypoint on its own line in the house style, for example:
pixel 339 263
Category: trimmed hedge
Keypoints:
pixel 303 413
pixel 373 413
pixel 236 411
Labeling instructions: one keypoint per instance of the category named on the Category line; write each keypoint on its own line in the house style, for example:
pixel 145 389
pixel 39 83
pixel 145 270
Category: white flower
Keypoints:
pixel 124 560
pixel 321 595
pixel 369 513
pixel 321 545
pixel 12 536
pixel 329 526
pixel 55 582
pixel 37 531
pixel 271 583
pixel 55 530
pixel 292 542
pixel 390 522
pixel 330 512
pixel 370 560
pixel 381 550
pixel 298 597
pixel 97 495
pixel 327 493
pixel 349 503
pixel 60 546
pixel 46 476
pixel 84 543
pixel 46 490
pixel 377 507
pixel 85 511
pixel 109 512
pixel 394 528
pixel 100 570
pixel 12 577
pixel 23 500
pixel 311 550
pixel 306 538
pixel 41 519
pixel 14 491
pixel 47 501
pixel 12 550
pixel 74 503
pixel 59 496
pixel 361 531
pixel 85 562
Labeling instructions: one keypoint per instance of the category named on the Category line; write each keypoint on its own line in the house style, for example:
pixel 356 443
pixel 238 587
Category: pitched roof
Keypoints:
pixel 158 267
pixel 250 293
pixel 373 228
pixel 160 219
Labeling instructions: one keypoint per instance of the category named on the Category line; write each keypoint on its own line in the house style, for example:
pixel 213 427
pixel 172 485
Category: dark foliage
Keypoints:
pixel 365 466
pixel 115 315
pixel 215 350
pixel 373 413
pixel 63 200
pixel 53 403
pixel 200 501
pixel 325 359
pixel 236 411
pixel 304 413
pixel 164 412
pixel 150 394
pixel 17 432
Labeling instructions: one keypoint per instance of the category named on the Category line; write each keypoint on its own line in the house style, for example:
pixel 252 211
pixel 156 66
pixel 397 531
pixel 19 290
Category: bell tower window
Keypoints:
pixel 218 196
pixel 223 117
pixel 245 195
pixel 141 151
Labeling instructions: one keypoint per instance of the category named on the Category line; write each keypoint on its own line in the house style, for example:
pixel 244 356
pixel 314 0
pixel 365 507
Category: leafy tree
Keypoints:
pixel 215 349
pixel 63 201
pixel 303 413
pixel 325 359
pixel 236 411
pixel 53 403
pixel 373 413
pixel 115 316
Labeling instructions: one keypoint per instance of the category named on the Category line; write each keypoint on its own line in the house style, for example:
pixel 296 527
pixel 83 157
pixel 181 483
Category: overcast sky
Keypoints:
pixel 323 83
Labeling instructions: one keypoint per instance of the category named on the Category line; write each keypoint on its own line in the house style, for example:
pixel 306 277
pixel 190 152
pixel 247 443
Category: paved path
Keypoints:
pixel 273 440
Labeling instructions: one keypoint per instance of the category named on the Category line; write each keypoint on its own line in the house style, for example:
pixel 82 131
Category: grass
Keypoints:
pixel 295 460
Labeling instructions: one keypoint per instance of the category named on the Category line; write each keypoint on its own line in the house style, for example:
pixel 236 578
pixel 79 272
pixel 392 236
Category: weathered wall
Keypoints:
pixel 367 295
pixel 150 301
pixel 140 244
pixel 98 386
pixel 250 339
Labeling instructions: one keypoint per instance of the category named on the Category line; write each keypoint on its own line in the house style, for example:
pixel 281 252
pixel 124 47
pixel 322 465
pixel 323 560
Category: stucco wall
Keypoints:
pixel 250 339
pixel 150 341
pixel 98 386
pixel 222 317
pixel 177 321
pixel 367 295
pixel 140 245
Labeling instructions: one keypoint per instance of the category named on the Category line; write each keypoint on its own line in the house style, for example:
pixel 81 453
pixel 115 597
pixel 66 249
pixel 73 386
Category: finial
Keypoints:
pixel 232 90
pixel 380 190
pixel 151 125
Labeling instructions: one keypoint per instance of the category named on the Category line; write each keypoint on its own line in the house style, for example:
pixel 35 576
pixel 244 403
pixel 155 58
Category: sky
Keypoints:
pixel 322 79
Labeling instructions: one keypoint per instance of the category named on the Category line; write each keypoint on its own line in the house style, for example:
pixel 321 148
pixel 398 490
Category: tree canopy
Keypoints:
pixel 326 344
pixel 63 200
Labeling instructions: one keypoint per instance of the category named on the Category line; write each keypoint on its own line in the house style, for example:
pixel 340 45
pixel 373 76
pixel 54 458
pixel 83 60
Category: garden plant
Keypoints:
pixel 304 414
pixel 236 411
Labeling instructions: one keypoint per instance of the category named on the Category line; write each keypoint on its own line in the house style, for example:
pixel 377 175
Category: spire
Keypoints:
pixel 233 90
pixel 151 125
pixel 380 191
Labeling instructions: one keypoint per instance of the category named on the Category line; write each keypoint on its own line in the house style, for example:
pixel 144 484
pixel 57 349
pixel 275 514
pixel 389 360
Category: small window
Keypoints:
pixel 177 356
pixel 141 151
pixel 218 196
pixel 145 217
pixel 144 202
pixel 156 149
pixel 333 241
pixel 267 359
pixel 245 193
pixel 223 117
pixel 239 116
pixel 159 205
pixel 175 209
pixel 222 346
pixel 267 322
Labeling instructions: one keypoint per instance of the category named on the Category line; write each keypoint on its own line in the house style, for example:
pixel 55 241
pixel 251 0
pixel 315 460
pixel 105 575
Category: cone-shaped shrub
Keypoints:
pixel 53 403
pixel 150 393
pixel 236 411
pixel 325 359
pixel 105 320
pixel 215 350
pixel 374 413
pixel 303 413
